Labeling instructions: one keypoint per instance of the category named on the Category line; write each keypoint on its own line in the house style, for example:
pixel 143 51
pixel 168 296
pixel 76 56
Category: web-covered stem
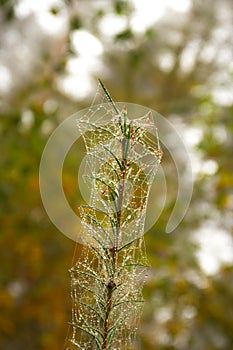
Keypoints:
pixel 122 158
pixel 125 141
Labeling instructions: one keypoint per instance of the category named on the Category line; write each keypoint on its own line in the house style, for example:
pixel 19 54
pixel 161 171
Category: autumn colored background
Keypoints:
pixel 174 57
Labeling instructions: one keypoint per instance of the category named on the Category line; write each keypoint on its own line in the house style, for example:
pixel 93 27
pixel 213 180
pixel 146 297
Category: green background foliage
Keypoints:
pixel 180 66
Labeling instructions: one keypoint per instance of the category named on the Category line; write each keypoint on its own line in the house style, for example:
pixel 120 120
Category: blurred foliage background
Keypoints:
pixel 176 59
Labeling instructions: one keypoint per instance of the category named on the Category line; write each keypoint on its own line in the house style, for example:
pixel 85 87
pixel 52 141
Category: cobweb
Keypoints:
pixel 123 155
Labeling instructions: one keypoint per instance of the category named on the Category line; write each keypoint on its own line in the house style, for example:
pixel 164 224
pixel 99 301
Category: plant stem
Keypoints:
pixel 110 287
pixel 114 250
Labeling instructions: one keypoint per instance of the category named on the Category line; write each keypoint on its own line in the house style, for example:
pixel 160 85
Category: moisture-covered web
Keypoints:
pixel 92 283
pixel 123 155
